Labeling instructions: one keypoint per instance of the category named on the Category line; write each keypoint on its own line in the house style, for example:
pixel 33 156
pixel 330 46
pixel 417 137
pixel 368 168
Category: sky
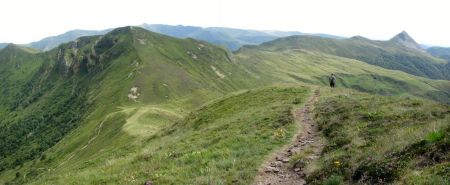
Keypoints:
pixel 427 21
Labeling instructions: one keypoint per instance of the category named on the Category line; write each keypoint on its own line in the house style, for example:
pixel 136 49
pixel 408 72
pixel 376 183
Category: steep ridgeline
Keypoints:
pixel 399 53
pixel 47 95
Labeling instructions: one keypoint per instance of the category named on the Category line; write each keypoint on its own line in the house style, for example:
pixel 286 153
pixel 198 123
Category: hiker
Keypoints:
pixel 332 79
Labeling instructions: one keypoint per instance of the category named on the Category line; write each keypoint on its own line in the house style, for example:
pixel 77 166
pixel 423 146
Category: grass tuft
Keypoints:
pixel 436 136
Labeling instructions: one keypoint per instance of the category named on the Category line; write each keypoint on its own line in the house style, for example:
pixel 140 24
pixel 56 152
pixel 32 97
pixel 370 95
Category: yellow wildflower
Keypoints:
pixel 337 163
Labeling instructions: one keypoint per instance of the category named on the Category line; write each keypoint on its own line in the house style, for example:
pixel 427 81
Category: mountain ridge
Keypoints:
pixel 51 42
pixel 233 38
pixel 387 54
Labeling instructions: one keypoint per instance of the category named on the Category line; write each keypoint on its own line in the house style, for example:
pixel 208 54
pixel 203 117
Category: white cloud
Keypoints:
pixel 23 21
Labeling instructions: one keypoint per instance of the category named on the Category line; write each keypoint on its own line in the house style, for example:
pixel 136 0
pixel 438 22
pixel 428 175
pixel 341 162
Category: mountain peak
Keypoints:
pixel 358 37
pixel 121 30
pixel 404 39
pixel 403 36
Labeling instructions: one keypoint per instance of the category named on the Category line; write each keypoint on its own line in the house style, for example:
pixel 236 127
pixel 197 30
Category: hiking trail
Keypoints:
pixel 277 170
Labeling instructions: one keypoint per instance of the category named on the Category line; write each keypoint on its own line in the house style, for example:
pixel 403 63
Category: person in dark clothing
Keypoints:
pixel 332 79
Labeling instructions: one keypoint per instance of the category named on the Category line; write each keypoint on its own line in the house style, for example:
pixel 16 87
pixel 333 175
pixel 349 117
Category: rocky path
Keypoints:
pixel 278 170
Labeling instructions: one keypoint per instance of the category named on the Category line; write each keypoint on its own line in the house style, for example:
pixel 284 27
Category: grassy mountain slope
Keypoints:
pixel 39 106
pixel 387 54
pixel 223 142
pixel 314 68
pixel 72 87
pixel 17 66
pixel 381 140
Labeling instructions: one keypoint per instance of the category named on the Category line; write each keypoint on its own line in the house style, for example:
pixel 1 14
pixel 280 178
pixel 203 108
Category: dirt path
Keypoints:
pixel 278 170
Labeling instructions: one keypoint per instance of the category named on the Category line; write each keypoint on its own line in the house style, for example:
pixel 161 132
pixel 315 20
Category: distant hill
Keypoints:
pixel 2 45
pixel 54 41
pixel 440 52
pixel 228 37
pixel 399 53
pixel 231 38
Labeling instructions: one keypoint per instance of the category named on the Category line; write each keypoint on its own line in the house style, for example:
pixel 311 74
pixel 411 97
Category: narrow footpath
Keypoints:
pixel 278 170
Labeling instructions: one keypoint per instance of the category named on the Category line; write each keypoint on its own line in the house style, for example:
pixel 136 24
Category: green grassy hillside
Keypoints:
pixel 76 86
pixel 17 68
pixel 301 66
pixel 387 54
pixel 223 142
pixel 381 140
pixel 36 108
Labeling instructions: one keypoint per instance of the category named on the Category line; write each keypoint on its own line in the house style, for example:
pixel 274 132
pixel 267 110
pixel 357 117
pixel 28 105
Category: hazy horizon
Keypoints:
pixel 380 20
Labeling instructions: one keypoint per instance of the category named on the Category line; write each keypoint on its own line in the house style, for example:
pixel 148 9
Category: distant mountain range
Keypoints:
pixel 54 41
pixel 229 37
pixel 399 53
